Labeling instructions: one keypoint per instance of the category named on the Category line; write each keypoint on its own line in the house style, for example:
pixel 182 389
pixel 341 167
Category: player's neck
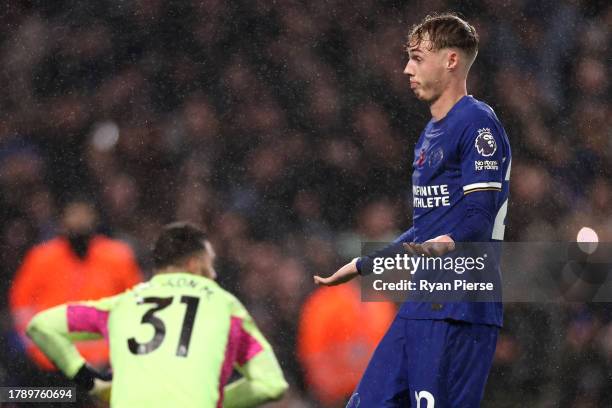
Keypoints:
pixel 172 269
pixel 447 100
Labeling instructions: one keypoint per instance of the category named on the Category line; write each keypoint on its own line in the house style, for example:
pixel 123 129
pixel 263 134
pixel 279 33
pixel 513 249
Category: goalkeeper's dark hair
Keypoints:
pixel 445 30
pixel 177 242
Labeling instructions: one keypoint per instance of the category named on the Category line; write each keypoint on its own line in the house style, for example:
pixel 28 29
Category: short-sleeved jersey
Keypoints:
pixel 465 152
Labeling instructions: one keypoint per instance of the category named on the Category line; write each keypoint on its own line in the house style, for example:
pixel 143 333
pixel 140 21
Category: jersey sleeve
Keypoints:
pixel 407 236
pixel 54 330
pixel 364 263
pixel 475 225
pixel 262 378
pixel 482 156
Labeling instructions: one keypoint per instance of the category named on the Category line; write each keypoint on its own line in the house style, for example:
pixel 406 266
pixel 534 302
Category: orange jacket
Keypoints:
pixel 337 335
pixel 51 274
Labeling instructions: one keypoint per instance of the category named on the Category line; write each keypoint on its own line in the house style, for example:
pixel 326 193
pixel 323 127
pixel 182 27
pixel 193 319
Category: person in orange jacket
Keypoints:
pixel 77 265
pixel 337 335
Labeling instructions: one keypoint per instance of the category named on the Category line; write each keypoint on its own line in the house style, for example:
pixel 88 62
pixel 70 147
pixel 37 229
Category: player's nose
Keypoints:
pixel 408 69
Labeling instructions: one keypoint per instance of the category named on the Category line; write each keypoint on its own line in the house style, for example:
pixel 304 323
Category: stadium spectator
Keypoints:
pixel 337 336
pixel 77 265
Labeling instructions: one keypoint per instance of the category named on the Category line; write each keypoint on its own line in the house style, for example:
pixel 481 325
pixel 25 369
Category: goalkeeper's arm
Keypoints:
pixel 50 331
pixel 262 378
pixel 262 381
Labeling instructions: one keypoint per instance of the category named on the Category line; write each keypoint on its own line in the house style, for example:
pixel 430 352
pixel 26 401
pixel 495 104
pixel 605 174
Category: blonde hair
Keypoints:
pixel 446 30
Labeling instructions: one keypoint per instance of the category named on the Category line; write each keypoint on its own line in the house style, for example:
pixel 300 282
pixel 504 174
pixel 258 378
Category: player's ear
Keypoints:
pixel 452 60
pixel 192 264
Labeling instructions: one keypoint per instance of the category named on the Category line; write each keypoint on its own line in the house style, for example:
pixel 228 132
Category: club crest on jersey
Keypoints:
pixel 485 142
pixel 435 157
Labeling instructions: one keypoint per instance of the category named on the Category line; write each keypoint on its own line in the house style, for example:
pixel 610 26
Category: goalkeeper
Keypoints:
pixel 174 341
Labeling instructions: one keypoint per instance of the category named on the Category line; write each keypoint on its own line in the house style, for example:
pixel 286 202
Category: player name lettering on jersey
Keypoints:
pixel 486 165
pixel 182 282
pixel 431 196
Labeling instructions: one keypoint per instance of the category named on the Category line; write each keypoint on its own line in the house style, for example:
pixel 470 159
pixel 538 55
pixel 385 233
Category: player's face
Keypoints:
pixel 427 71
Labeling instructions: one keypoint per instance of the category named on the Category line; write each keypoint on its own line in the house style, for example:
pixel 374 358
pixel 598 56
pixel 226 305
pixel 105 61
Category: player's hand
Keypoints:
pixel 86 377
pixel 101 390
pixel 342 275
pixel 437 246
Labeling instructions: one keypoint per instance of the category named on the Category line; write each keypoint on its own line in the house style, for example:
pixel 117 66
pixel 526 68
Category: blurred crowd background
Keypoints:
pixel 286 129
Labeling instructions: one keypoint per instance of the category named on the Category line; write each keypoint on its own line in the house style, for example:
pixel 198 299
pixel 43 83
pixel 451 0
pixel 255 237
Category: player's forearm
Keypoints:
pixel 49 331
pixel 407 236
pixel 248 393
pixel 262 381
pixel 364 263
pixel 477 222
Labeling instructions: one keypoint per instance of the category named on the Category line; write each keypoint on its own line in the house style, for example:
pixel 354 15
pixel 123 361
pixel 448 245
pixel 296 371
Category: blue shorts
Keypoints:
pixel 428 364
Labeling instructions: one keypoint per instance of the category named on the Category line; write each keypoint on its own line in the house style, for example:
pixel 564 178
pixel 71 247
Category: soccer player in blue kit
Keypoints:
pixel 438 355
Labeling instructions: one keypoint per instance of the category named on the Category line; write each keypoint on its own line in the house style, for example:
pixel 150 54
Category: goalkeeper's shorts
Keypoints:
pixel 428 364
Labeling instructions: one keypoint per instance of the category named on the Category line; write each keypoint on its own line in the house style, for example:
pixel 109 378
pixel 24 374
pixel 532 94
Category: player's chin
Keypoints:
pixel 426 97
pixel 420 95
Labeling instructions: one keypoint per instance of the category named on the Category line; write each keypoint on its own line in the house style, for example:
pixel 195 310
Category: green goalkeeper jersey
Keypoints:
pixel 174 341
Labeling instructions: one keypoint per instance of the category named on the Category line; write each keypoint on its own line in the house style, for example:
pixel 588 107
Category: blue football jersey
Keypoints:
pixel 465 152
